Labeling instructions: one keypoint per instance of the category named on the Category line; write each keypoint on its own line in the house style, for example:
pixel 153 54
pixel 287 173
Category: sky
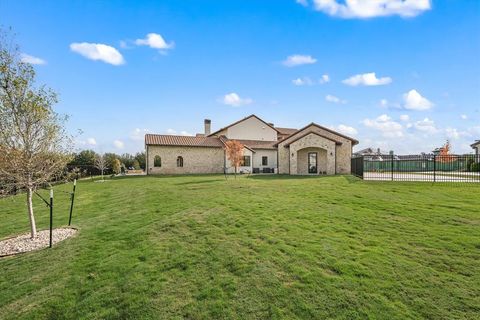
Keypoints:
pixel 401 75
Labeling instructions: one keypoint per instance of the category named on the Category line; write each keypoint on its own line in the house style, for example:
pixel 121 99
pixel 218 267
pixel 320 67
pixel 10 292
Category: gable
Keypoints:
pixel 251 128
pixel 322 131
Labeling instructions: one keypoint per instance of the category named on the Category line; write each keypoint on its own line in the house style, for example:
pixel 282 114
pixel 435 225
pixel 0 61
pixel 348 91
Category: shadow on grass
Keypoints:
pixel 352 179
pixel 196 182
pixel 286 177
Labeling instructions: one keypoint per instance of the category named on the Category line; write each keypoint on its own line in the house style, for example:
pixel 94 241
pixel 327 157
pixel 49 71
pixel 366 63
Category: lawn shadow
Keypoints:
pixel 285 177
pixel 195 182
pixel 352 179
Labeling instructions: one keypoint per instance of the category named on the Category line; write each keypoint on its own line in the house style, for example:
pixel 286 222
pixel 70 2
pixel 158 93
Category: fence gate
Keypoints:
pixel 357 167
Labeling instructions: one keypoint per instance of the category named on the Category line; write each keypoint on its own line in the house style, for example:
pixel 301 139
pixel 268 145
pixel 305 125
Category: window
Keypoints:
pixel 179 161
pixel 312 162
pixel 246 161
pixel 264 161
pixel 157 162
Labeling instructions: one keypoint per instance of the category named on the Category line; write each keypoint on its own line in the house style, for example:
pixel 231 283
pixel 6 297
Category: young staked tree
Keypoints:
pixel 101 163
pixel 34 146
pixel 234 151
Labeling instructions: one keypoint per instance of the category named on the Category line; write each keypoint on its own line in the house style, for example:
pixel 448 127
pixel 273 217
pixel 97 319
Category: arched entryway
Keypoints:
pixel 312 161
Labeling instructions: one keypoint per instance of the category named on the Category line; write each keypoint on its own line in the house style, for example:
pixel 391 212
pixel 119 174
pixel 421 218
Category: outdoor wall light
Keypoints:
pixel 293 154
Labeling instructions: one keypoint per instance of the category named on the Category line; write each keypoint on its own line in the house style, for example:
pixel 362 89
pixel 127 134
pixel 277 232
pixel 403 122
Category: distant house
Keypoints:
pixel 312 149
pixel 373 154
pixel 476 146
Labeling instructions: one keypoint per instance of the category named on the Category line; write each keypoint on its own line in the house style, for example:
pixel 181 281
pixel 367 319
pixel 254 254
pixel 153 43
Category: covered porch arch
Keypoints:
pixel 312 154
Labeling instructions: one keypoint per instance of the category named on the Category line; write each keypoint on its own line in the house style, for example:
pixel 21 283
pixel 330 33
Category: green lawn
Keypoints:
pixel 201 247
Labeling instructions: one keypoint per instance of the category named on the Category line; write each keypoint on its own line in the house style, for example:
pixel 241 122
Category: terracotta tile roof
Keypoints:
pixel 259 144
pixel 354 141
pixel 288 131
pixel 187 141
pixel 312 132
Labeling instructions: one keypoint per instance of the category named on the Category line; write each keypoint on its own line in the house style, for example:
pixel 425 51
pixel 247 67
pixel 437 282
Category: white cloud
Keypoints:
pixel 333 99
pixel 324 79
pixel 118 144
pixel 26 58
pixel 234 100
pixel 385 124
pixel 405 117
pixel 367 79
pixel 98 51
pixel 426 125
pixel 92 141
pixel 474 131
pixel 372 8
pixel 414 101
pixel 298 60
pixel 305 81
pixel 155 41
pixel 302 2
pixel 176 133
pixel 347 130
pixel 463 116
pixel 452 133
pixel 384 102
pixel 138 134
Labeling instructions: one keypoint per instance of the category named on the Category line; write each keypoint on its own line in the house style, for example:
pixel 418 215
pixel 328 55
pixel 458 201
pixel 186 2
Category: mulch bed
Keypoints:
pixel 23 243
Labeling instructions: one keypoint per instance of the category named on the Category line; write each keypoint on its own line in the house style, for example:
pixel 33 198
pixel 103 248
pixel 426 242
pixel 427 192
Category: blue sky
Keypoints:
pixel 402 76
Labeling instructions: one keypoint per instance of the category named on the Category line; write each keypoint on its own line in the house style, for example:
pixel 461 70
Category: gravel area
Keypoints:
pixel 23 242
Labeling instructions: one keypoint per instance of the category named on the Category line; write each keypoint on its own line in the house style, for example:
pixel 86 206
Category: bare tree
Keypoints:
pixel 234 150
pixel 34 146
pixel 101 163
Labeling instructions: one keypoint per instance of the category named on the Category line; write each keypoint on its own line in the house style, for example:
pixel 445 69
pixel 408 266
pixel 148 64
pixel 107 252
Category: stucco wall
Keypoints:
pixel 272 158
pixel 251 129
pixel 245 169
pixel 195 160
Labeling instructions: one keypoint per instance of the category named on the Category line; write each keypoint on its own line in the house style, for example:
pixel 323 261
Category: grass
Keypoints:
pixel 272 247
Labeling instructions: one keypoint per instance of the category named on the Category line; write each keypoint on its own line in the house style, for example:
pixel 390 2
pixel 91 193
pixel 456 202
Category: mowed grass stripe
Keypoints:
pixel 203 247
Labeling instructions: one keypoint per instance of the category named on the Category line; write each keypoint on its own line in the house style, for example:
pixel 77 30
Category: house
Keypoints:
pixel 372 154
pixel 312 149
pixel 476 147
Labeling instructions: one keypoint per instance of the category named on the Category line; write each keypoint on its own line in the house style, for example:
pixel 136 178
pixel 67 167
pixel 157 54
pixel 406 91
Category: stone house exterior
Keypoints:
pixel 311 150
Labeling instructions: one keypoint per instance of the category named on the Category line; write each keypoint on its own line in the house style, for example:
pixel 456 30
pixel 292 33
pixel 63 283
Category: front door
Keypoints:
pixel 312 162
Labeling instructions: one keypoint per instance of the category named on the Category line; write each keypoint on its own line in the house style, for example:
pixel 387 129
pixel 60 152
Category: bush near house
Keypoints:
pixel 264 247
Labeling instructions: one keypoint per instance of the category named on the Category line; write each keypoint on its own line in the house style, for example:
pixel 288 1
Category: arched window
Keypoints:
pixel 179 161
pixel 157 162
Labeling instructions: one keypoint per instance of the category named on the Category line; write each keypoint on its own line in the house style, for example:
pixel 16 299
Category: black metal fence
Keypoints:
pixel 425 167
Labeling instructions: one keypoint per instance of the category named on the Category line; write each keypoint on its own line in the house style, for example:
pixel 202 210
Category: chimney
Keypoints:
pixel 378 151
pixel 207 123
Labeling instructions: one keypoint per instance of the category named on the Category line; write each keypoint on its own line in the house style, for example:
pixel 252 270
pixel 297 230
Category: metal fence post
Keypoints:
pixel 71 205
pixel 434 168
pixel 392 166
pixel 51 215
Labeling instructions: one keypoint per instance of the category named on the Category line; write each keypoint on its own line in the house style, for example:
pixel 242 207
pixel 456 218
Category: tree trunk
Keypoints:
pixel 31 217
pixel 102 174
pixel 235 172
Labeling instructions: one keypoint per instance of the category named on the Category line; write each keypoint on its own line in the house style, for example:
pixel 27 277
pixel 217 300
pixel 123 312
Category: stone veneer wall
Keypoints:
pixel 343 152
pixel 322 161
pixel 195 160
pixel 312 141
